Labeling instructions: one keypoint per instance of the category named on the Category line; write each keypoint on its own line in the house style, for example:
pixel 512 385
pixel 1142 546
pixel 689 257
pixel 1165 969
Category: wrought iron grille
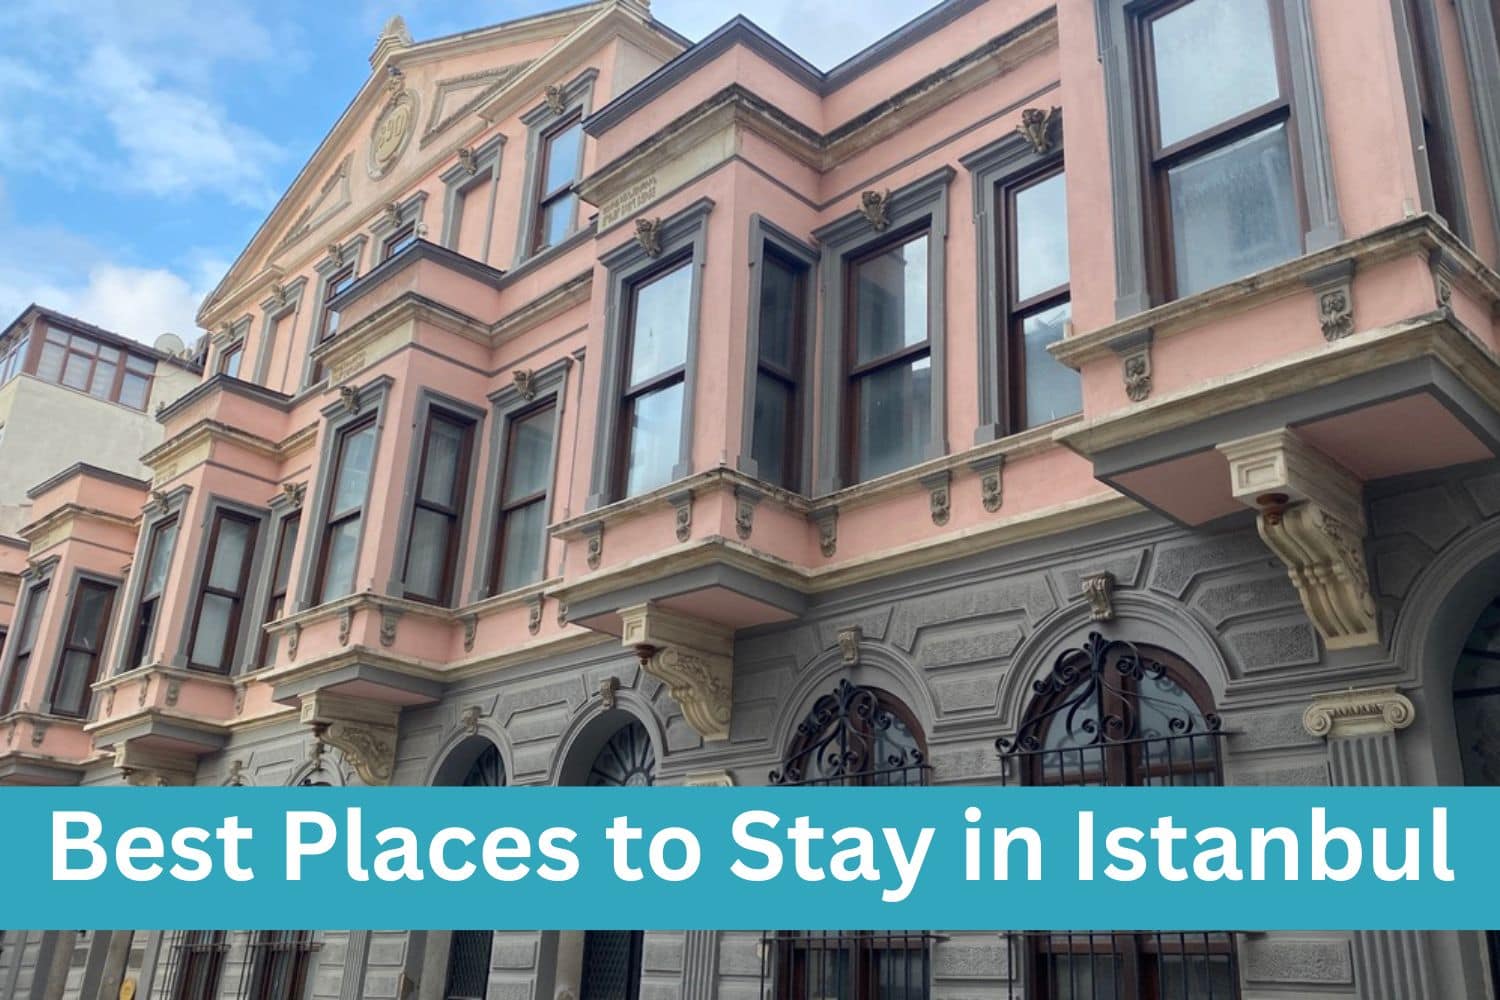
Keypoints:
pixel 278 964
pixel 194 965
pixel 627 760
pixel 1115 714
pixel 468 965
pixel 611 965
pixel 861 737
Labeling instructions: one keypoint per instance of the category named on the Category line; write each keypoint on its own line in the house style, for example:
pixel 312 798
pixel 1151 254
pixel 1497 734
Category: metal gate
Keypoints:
pixel 278 963
pixel 194 964
pixel 853 736
pixel 1113 714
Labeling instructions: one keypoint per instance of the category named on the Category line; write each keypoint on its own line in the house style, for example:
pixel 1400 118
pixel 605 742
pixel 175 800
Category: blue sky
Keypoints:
pixel 145 141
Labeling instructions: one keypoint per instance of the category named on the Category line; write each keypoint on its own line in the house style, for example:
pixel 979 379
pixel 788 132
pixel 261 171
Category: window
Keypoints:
pixel 1437 142
pixel 328 319
pixel 281 579
pixel 350 486
pixel 157 562
pixel 87 365
pixel 398 241
pixel 560 160
pixel 25 642
pixel 469 201
pixel 652 405
pixel 196 962
pixel 226 577
pixel 83 645
pixel 432 552
pixel 888 423
pixel 776 428
pixel 280 962
pixel 230 358
pixel 1041 388
pixel 853 736
pixel 468 976
pixel 13 357
pixel 135 383
pixel 1219 130
pixel 521 551
pixel 1112 713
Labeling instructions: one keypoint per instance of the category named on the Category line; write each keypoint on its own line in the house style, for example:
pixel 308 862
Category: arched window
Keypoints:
pixel 852 736
pixel 1114 713
pixel 468 975
pixel 1476 717
pixel 626 759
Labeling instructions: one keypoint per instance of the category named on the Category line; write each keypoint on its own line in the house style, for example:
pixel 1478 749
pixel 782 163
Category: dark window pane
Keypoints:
pixel 445 452
pixel 655 439
pixel 212 631
pixel 1215 59
pixel 230 552
pixel 284 553
pixel 895 418
pixel 230 364
pixel 1233 211
pixel 161 558
pixel 558 219
pixel 525 536
pixel 890 294
pixel 427 553
pixel 530 458
pixel 354 469
pixel 343 553
pixel 88 617
pixel 773 422
pixel 72 690
pixel 562 158
pixel 778 312
pixel 1041 237
pixel 1052 388
pixel 660 332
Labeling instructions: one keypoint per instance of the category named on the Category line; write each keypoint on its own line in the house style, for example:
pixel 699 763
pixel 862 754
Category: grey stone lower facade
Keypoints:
pixel 960 646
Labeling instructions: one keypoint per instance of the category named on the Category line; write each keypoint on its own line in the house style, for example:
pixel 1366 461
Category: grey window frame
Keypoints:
pixel 407 213
pixel 351 255
pixel 279 509
pixel 81 576
pixel 993 170
pixel 370 402
pixel 1115 27
pixel 1480 38
pixel 429 400
pixel 460 183
pixel 577 99
pixel 174 505
pixel 239 661
pixel 764 232
pixel 272 311
pixel 549 383
pixel 843 241
pixel 234 334
pixel 682 237
pixel 32 579
pixel 1428 49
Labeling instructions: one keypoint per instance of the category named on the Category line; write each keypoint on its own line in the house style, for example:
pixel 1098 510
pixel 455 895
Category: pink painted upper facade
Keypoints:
pixel 490 375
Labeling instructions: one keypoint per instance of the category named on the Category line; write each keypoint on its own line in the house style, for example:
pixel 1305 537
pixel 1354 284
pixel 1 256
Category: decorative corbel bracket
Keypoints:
pixel 364 732
pixel 525 380
pixel 694 658
pixel 1334 286
pixel 390 620
pixel 746 499
pixel 850 638
pixel 534 607
pixel 1098 590
pixel 150 768
pixel 1135 364
pixel 553 96
pixel 939 495
pixel 827 520
pixel 1312 517
pixel 1036 126
pixel 648 236
pixel 875 206
pixel 1444 270
pixel 594 537
pixel 1366 711
pixel 991 485
pixel 682 513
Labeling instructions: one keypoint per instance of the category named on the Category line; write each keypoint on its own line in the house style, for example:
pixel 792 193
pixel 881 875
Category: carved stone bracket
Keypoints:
pixel 1334 286
pixel 553 96
pixel 746 499
pixel 471 625
pixel 390 618
pixel 827 520
pixel 295 493
pixel 1312 517
pixel 1358 712
pixel 991 485
pixel 594 533
pixel 346 625
pixel 939 495
pixel 468 720
pixel 525 381
pixel 349 395
pixel 1135 364
pixel 364 731
pixel 648 235
pixel 534 613
pixel 608 689
pixel 694 658
pixel 682 513
pixel 1444 269
pixel 1036 126
pixel 849 639
pixel 708 779
pixel 875 206
pixel 293 640
pixel 150 768
pixel 1098 590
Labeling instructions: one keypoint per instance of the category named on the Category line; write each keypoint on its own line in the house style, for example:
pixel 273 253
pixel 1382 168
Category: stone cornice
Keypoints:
pixel 1363 712
pixel 208 431
pixel 53 528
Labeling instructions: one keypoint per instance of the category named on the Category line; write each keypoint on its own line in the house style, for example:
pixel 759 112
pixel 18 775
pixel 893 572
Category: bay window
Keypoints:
pixel 1041 388
pixel 221 595
pixel 556 205
pixel 656 370
pixel 432 551
pixel 153 581
pixel 338 551
pixel 281 579
pixel 778 342
pixel 525 484
pixel 24 642
pixel 83 646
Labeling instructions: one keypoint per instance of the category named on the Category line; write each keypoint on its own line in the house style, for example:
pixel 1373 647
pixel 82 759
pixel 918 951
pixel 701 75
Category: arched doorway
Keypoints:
pixel 861 737
pixel 1476 720
pixel 474 763
pixel 1113 713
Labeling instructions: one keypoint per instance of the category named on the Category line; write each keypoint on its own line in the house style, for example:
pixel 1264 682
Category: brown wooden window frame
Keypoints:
pixel 288 533
pixel 142 632
pixel 70 644
pixel 503 509
pixel 1158 160
pixel 127 364
pixel 1016 311
pixel 236 596
pixel 454 514
pixel 27 634
pixel 541 198
pixel 857 372
pixel 333 519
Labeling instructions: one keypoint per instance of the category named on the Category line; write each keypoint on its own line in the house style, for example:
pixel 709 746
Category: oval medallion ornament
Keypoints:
pixel 392 131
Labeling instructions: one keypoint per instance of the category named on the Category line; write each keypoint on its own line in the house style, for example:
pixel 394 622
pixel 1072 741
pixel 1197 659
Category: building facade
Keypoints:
pixel 1097 391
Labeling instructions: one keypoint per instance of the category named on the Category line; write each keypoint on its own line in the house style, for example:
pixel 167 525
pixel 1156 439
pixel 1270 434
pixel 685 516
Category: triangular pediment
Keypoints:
pixel 333 196
pixel 456 96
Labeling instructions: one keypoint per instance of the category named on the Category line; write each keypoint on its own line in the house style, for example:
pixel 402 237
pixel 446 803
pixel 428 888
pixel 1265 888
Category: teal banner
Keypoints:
pixel 752 858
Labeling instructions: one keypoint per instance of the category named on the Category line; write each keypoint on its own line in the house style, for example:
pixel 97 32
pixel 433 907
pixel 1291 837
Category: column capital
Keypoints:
pixel 1358 712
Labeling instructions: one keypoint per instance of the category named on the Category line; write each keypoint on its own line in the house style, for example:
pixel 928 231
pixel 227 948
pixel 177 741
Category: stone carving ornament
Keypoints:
pixel 393 127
